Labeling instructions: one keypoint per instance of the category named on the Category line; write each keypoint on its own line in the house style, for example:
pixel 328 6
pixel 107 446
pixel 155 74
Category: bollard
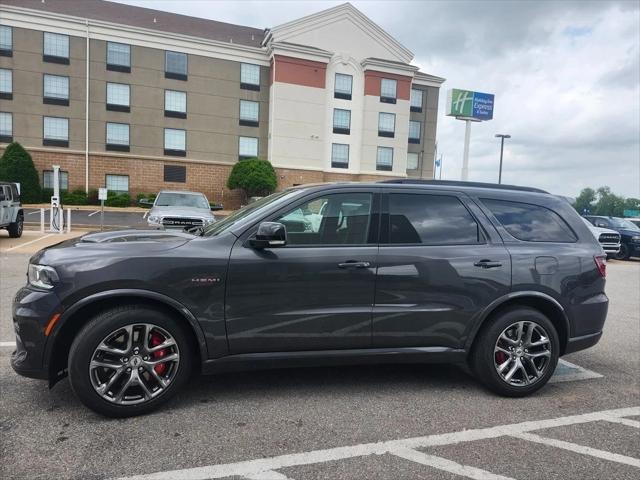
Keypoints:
pixel 68 220
pixel 42 220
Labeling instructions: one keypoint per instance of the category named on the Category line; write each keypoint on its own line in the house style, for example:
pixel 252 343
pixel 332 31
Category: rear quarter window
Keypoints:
pixel 530 223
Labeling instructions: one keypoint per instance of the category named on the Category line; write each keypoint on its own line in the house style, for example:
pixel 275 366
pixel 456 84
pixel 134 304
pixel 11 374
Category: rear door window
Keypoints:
pixel 530 223
pixel 431 220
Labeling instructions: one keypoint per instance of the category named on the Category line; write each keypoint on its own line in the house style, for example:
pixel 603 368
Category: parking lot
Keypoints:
pixel 382 422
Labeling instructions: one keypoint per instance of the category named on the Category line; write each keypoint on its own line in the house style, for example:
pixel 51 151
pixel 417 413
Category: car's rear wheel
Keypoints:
pixel 15 228
pixel 516 353
pixel 129 360
pixel 623 253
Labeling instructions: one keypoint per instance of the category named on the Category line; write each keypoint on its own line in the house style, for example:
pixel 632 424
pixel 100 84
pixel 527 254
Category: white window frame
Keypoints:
pixel 63 178
pixel 387 94
pixel 6 124
pixel 53 92
pixel 59 121
pixel 384 118
pixel 415 124
pixel 170 103
pixel 114 88
pixel 415 93
pixel 384 165
pixel 110 136
pixel 119 180
pixel 248 74
pixel 6 32
pixel 250 111
pixel 6 80
pixel 243 151
pixel 114 61
pixel 410 163
pixel 60 46
pixel 167 54
pixel 341 146
pixel 172 134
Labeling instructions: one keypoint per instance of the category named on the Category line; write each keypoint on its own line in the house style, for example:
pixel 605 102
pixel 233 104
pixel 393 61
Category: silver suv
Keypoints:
pixel 11 213
pixel 174 209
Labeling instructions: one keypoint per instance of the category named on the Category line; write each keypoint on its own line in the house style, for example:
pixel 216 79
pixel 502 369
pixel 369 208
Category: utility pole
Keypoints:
pixel 501 137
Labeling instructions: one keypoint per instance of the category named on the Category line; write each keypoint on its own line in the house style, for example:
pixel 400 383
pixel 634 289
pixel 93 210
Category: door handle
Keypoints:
pixel 487 264
pixel 354 264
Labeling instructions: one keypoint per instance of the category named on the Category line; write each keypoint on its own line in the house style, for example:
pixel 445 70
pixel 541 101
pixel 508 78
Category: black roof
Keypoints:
pixel 454 183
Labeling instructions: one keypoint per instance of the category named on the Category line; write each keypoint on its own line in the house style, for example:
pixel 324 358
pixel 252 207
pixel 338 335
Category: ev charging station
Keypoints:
pixel 56 214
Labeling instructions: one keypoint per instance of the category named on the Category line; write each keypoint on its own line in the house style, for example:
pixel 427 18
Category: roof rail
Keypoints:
pixel 455 183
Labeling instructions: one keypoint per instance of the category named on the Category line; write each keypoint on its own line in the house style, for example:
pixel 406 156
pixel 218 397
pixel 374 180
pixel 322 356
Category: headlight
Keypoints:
pixel 154 219
pixel 209 221
pixel 41 276
pixel 635 238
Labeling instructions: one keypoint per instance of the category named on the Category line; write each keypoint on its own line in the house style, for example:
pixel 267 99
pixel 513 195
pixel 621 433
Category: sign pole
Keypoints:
pixel 465 157
pixel 102 196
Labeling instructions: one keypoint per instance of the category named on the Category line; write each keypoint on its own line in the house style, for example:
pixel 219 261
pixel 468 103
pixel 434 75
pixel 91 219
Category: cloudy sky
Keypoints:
pixel 566 76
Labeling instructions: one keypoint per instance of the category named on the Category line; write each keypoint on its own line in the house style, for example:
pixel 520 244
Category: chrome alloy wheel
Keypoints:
pixel 522 354
pixel 134 364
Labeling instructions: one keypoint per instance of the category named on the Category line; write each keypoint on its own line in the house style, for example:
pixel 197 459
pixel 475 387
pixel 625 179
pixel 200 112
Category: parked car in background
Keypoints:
pixel 609 239
pixel 11 213
pixel 635 221
pixel 174 209
pixel 506 278
pixel 629 234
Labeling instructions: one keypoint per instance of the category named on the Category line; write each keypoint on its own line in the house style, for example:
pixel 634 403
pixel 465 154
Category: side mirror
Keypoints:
pixel 145 202
pixel 269 235
pixel 601 224
pixel 216 206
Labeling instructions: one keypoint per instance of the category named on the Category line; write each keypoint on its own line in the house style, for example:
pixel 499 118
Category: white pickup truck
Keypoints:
pixel 609 239
pixel 11 213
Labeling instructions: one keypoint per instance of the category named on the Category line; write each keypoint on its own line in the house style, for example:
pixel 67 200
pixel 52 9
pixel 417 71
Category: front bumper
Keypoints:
pixel 32 309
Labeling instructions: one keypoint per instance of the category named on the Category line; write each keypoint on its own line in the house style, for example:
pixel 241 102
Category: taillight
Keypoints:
pixel 601 263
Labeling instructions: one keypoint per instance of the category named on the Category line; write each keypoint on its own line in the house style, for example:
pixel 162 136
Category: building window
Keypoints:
pixel 339 155
pixel 388 90
pixel 118 57
pixel 386 124
pixel 412 161
pixel 117 137
pixel 6 41
pixel 175 104
pixel 56 48
pixel 344 84
pixel 249 76
pixel 55 90
pixel 6 127
pixel 341 121
pixel 63 179
pixel 117 183
pixel 175 65
pixel 249 113
pixel 118 97
pixel 6 84
pixel 414 131
pixel 384 161
pixel 247 147
pixel 175 173
pixel 175 142
pixel 56 132
pixel 416 100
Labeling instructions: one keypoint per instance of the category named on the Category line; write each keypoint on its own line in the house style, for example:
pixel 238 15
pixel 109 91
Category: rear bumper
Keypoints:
pixel 580 343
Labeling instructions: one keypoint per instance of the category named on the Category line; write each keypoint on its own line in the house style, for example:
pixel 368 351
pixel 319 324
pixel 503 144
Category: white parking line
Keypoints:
pixel 34 212
pixel 624 421
pixel 574 447
pixel 28 243
pixel 93 213
pixel 7 344
pixel 396 447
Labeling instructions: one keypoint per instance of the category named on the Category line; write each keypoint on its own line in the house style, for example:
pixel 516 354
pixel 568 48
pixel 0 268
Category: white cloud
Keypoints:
pixel 566 76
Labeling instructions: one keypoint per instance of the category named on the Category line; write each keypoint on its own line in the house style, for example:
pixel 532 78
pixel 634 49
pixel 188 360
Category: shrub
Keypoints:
pixel 77 197
pixel 255 177
pixel 117 199
pixel 17 166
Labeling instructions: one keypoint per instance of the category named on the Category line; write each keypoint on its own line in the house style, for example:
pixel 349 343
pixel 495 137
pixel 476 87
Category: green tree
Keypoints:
pixel 585 201
pixel 17 166
pixel 609 203
pixel 631 204
pixel 255 177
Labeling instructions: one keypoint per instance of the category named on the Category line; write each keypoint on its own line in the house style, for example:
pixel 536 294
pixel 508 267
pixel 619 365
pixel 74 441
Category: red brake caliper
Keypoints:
pixel 501 357
pixel 157 339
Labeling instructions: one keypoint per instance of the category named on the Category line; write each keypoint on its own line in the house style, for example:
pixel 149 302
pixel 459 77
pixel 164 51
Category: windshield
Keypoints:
pixel 195 200
pixel 221 226
pixel 622 223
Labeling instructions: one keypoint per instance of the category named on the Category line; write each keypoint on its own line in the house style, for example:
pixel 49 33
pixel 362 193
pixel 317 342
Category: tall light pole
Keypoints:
pixel 501 137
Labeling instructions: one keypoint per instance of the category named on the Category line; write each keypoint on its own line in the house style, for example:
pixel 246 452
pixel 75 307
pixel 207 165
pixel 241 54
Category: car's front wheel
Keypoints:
pixel 129 360
pixel 623 253
pixel 516 353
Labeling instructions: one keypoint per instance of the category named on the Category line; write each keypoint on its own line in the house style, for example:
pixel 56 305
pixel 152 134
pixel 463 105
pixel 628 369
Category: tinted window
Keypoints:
pixel 531 223
pixel 430 220
pixel 338 219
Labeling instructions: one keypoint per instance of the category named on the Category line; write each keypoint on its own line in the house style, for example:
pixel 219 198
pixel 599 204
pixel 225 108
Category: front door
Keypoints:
pixel 315 293
pixel 438 268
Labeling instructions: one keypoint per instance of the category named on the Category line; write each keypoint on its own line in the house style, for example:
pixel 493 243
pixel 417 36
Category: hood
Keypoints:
pixel 105 245
pixel 181 212
pixel 600 230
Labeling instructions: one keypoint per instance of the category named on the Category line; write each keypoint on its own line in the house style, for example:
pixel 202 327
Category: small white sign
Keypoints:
pixel 102 194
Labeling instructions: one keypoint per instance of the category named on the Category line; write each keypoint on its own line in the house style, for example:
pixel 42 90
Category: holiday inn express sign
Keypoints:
pixel 470 105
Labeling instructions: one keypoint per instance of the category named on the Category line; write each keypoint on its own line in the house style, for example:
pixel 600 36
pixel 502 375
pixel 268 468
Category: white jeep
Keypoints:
pixel 11 213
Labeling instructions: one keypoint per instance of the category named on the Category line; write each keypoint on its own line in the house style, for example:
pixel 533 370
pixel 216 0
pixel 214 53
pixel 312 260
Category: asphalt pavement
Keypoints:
pixel 91 218
pixel 372 422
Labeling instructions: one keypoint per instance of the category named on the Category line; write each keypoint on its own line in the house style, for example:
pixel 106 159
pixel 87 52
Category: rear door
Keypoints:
pixel 440 264
pixel 5 205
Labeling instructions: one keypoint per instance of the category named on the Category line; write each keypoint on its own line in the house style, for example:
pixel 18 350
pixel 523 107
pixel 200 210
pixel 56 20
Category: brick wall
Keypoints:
pixel 147 175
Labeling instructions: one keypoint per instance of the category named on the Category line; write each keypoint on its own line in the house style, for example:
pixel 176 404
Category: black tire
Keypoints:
pixel 15 228
pixel 624 253
pixel 482 357
pixel 101 326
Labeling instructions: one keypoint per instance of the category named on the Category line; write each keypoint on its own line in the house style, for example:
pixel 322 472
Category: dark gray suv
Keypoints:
pixel 506 278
